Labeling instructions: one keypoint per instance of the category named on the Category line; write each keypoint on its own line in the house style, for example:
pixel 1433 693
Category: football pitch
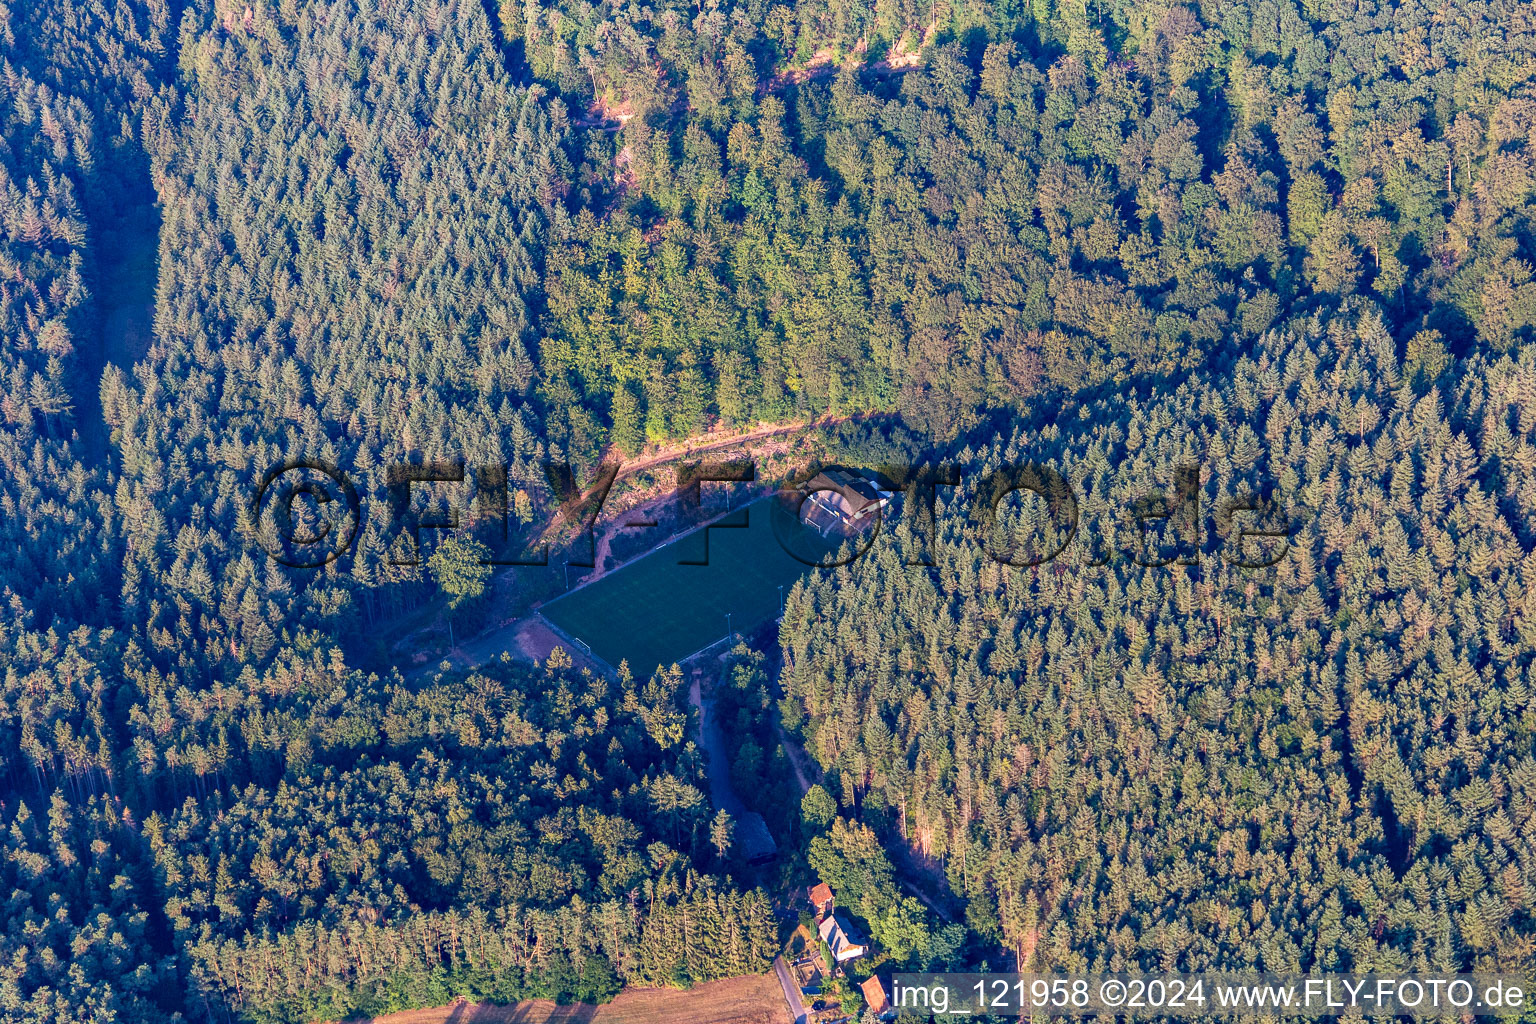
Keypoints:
pixel 655 611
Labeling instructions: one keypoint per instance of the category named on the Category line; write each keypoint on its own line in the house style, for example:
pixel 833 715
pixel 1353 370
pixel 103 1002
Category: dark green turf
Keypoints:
pixel 654 611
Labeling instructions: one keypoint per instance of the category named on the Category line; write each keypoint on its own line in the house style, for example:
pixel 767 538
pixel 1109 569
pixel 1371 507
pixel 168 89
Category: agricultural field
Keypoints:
pixel 751 999
pixel 662 608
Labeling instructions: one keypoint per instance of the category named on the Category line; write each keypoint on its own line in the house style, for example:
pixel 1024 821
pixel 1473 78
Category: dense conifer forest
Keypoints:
pixel 1290 243
pixel 1159 766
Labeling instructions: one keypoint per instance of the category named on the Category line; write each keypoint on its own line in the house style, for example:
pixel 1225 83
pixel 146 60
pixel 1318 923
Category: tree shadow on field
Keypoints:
pixel 526 1013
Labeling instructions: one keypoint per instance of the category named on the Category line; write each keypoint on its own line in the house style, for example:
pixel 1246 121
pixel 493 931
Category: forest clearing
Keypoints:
pixel 518 630
pixel 723 578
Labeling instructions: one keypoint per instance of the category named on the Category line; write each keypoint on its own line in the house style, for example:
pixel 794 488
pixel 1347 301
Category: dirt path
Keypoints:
pixel 706 443
pixel 916 891
pixel 604 543
pixel 796 755
pixel 717 764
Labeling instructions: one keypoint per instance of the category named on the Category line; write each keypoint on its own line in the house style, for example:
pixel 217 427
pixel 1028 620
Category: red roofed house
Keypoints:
pixel 821 899
pixel 874 995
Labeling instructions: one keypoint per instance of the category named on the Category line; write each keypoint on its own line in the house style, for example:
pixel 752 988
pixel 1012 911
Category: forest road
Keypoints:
pixel 704 444
pixel 791 990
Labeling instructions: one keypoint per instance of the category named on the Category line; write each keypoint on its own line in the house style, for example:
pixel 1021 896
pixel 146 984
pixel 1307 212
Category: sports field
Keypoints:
pixel 655 611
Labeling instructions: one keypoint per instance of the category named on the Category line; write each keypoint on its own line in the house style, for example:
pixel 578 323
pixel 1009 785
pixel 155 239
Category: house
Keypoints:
pixel 820 896
pixel 841 498
pixel 837 938
pixel 874 996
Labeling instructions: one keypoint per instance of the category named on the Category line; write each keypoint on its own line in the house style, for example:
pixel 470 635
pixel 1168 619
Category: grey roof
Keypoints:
pixel 850 493
pixel 752 835
pixel 858 489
